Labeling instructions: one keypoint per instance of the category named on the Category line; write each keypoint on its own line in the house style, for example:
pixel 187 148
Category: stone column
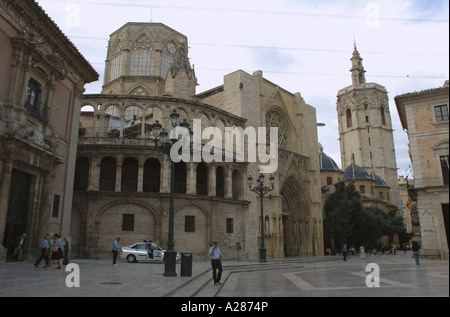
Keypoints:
pixel 94 174
pixel 4 201
pixel 229 183
pixel 140 178
pixel 165 175
pixel 118 177
pixel 191 178
pixel 212 180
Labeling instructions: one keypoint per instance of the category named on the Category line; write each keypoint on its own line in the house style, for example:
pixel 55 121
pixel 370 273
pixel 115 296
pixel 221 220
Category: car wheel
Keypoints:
pixel 131 258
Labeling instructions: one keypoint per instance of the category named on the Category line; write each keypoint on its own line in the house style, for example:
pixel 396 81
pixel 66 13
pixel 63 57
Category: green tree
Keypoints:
pixel 341 208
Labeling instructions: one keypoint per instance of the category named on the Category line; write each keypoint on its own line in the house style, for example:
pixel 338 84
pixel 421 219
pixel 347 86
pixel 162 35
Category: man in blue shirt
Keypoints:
pixel 115 250
pixel 44 252
pixel 345 251
pixel 216 255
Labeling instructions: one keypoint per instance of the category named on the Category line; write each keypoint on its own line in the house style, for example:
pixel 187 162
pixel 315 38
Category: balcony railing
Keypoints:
pixel 38 110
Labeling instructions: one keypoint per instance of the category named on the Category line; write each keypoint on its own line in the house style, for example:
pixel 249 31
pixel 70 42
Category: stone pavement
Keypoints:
pixel 291 277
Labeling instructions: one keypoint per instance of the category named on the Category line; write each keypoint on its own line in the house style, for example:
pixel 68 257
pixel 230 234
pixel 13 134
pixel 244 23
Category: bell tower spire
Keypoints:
pixel 358 72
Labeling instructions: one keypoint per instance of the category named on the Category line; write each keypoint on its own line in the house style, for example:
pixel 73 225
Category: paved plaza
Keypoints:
pixel 291 277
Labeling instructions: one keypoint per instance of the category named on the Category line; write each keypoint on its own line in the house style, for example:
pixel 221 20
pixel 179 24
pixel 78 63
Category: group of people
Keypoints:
pixel 415 249
pixel 57 250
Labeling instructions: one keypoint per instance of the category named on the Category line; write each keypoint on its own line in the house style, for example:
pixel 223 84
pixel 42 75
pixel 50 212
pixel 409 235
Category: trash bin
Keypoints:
pixel 186 264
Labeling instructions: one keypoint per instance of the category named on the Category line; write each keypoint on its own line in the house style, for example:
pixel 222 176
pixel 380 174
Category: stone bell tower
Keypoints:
pixel 365 127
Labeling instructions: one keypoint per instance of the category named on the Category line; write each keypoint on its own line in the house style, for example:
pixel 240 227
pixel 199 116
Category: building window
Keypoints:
pixel 441 113
pixel 348 115
pixel 329 181
pixel 383 116
pixel 55 211
pixel 230 225
pixel 32 97
pixel 189 223
pixel 381 195
pixel 128 222
pixel 362 189
pixel 444 168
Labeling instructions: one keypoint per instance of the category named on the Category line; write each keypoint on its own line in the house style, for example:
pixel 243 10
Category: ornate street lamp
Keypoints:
pixel 164 145
pixel 261 190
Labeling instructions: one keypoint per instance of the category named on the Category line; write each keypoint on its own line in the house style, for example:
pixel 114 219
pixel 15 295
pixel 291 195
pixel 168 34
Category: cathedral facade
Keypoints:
pixel 122 180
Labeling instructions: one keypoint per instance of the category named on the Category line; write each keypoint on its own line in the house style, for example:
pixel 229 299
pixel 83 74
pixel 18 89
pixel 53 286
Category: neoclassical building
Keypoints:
pixel 42 78
pixel 424 116
pixel 122 180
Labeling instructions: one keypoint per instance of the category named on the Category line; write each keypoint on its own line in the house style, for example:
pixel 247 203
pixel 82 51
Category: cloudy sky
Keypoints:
pixel 302 45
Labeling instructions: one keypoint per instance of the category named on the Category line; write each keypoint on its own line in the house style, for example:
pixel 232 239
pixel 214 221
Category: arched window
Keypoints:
pixel 202 179
pixel 180 178
pixel 152 176
pixel 108 174
pixel 220 182
pixel 383 116
pixel 236 180
pixel 130 170
pixel 348 115
pixel 81 181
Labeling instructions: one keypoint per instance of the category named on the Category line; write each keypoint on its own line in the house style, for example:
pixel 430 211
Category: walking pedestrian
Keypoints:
pixel 415 249
pixel 45 253
pixel 383 248
pixel 57 252
pixel 66 251
pixel 394 247
pixel 19 242
pixel 216 263
pixel 115 250
pixel 345 251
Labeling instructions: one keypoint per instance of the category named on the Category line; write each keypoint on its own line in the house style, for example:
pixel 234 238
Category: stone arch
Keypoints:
pixel 152 175
pixel 82 168
pixel 195 241
pixel 297 236
pixel 276 117
pixel 77 230
pixel 138 90
pixel 129 177
pixel 107 175
pixel 109 221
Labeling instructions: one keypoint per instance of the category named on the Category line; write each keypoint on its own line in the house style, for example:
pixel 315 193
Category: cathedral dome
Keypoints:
pixel 379 181
pixel 354 172
pixel 327 163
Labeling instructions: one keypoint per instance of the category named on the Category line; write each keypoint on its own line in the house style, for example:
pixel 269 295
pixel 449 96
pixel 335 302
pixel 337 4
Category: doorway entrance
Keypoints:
pixel 16 218
pixel 446 222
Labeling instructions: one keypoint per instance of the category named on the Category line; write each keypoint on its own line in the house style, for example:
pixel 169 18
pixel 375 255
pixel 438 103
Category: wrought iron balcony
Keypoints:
pixel 38 110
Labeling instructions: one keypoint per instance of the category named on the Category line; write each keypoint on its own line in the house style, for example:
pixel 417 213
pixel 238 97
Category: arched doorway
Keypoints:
pixel 296 219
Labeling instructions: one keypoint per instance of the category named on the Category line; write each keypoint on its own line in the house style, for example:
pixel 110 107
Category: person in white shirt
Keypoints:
pixel 216 255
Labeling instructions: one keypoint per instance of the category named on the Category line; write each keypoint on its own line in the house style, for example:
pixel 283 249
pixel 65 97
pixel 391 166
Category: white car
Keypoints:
pixel 146 250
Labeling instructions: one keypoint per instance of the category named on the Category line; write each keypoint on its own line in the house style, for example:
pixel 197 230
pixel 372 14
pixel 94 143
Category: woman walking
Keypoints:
pixel 57 252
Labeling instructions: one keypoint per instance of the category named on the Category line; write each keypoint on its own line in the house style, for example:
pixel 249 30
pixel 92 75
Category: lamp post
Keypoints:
pixel 261 190
pixel 161 136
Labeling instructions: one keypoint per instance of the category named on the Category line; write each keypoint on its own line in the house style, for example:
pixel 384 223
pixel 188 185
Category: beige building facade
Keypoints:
pixel 42 75
pixel 424 116
pixel 122 180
